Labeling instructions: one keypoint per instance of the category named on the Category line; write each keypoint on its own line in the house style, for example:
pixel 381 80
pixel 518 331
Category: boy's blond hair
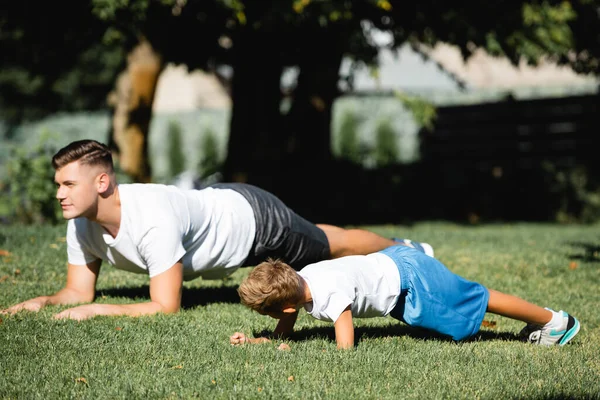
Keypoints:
pixel 271 286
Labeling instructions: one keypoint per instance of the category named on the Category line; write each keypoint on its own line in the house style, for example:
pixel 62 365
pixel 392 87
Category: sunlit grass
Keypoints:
pixel 187 355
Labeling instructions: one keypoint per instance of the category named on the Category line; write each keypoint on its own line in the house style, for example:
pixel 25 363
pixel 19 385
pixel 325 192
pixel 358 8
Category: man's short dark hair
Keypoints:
pixel 87 152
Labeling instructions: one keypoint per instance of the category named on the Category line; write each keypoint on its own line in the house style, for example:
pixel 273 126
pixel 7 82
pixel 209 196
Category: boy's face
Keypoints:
pixel 280 314
pixel 77 189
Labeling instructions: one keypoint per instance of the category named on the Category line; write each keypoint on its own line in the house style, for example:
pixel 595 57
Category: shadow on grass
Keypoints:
pixel 591 251
pixel 192 297
pixel 398 329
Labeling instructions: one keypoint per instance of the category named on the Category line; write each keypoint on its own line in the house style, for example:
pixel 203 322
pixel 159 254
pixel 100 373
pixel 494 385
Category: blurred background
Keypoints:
pixel 352 112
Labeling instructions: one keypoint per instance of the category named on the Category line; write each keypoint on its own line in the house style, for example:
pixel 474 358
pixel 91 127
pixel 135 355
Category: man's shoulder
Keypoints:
pixel 80 223
pixel 148 198
pixel 82 228
pixel 145 188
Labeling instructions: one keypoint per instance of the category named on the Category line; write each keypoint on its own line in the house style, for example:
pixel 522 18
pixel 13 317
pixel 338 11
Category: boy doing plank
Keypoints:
pixel 399 281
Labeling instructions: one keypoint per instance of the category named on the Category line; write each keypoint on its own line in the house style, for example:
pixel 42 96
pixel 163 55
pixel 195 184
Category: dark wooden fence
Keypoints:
pixel 503 159
pixel 564 130
pixel 498 161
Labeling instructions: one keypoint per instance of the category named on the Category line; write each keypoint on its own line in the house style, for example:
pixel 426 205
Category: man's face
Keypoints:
pixel 77 189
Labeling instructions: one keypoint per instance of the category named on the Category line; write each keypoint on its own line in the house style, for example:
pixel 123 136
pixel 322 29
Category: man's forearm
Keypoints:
pixel 92 310
pixel 132 310
pixel 65 296
pixel 68 296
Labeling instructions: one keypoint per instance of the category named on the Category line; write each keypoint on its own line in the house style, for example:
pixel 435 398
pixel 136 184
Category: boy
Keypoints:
pixel 399 281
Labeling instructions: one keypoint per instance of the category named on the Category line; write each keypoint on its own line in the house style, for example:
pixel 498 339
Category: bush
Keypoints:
pixel 28 193
pixel 210 163
pixel 177 161
pixel 576 194
pixel 386 144
pixel 349 145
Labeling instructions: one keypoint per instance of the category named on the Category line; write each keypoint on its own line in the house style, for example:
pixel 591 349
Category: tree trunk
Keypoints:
pixel 132 102
pixel 255 141
pixel 308 123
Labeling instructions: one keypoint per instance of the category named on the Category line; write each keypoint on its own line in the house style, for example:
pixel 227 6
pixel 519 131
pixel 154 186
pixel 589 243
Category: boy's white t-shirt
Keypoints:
pixel 211 229
pixel 369 284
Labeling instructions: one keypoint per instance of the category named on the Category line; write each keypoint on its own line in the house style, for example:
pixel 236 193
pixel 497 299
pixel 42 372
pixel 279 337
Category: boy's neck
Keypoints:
pixel 307 298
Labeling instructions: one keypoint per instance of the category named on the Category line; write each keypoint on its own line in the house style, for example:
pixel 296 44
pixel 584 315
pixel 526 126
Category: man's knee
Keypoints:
pixel 338 241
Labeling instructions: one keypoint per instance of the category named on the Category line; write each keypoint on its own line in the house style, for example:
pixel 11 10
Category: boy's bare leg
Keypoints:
pixel 346 242
pixel 517 308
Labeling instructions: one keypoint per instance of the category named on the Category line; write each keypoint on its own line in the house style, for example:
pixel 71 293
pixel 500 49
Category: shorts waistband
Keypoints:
pixel 394 252
pixel 403 270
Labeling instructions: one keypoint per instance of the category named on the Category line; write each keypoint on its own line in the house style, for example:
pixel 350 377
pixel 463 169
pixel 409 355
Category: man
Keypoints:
pixel 174 235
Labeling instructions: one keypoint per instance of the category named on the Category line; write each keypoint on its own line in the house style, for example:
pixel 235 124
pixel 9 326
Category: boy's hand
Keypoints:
pixel 238 338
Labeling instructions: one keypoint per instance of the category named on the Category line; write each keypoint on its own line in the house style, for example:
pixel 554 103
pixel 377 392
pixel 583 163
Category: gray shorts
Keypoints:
pixel 280 232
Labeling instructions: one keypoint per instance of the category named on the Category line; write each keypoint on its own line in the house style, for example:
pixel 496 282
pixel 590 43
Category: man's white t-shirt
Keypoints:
pixel 369 284
pixel 211 229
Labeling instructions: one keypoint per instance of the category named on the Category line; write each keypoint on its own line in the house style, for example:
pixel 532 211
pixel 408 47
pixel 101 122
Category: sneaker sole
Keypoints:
pixel 427 249
pixel 573 327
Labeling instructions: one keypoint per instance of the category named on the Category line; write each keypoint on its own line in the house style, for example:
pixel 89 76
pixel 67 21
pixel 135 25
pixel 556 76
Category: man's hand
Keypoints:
pixel 80 288
pixel 33 305
pixel 239 338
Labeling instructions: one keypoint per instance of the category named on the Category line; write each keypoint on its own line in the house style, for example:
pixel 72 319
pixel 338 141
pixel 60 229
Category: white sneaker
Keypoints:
pixel 421 246
pixel 537 334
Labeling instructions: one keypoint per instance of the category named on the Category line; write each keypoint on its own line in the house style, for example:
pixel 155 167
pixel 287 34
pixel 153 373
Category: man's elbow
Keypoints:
pixel 169 308
pixel 345 345
pixel 81 296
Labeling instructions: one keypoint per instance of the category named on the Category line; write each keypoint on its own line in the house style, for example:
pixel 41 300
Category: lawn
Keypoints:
pixel 187 355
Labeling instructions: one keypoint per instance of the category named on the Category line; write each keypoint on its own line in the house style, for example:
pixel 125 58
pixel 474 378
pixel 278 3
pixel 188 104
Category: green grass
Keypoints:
pixel 187 355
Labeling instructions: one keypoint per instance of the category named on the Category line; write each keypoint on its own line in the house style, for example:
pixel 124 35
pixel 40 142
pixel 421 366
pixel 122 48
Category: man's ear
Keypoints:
pixel 289 310
pixel 103 182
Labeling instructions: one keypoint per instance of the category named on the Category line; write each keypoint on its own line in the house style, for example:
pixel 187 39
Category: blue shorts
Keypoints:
pixel 435 298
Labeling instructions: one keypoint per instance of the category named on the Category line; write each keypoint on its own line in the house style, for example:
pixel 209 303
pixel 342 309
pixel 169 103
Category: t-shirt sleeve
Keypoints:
pixel 77 254
pixel 337 303
pixel 161 247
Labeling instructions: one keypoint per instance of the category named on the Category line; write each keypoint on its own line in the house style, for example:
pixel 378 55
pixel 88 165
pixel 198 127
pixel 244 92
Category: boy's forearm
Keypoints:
pixel 285 326
pixel 258 340
pixel 344 330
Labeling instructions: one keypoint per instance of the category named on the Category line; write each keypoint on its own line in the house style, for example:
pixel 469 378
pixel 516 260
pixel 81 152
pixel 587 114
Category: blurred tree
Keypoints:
pixel 210 162
pixel 348 143
pixel 257 39
pixel 52 61
pixel 386 144
pixel 177 160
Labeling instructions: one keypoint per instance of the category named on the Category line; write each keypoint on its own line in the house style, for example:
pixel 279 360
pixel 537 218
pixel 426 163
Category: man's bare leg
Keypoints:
pixel 347 242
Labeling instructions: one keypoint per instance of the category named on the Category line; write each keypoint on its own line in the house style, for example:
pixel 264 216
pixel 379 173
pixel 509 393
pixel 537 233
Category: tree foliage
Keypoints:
pixel 565 30
pixel 55 57
pixel 66 55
